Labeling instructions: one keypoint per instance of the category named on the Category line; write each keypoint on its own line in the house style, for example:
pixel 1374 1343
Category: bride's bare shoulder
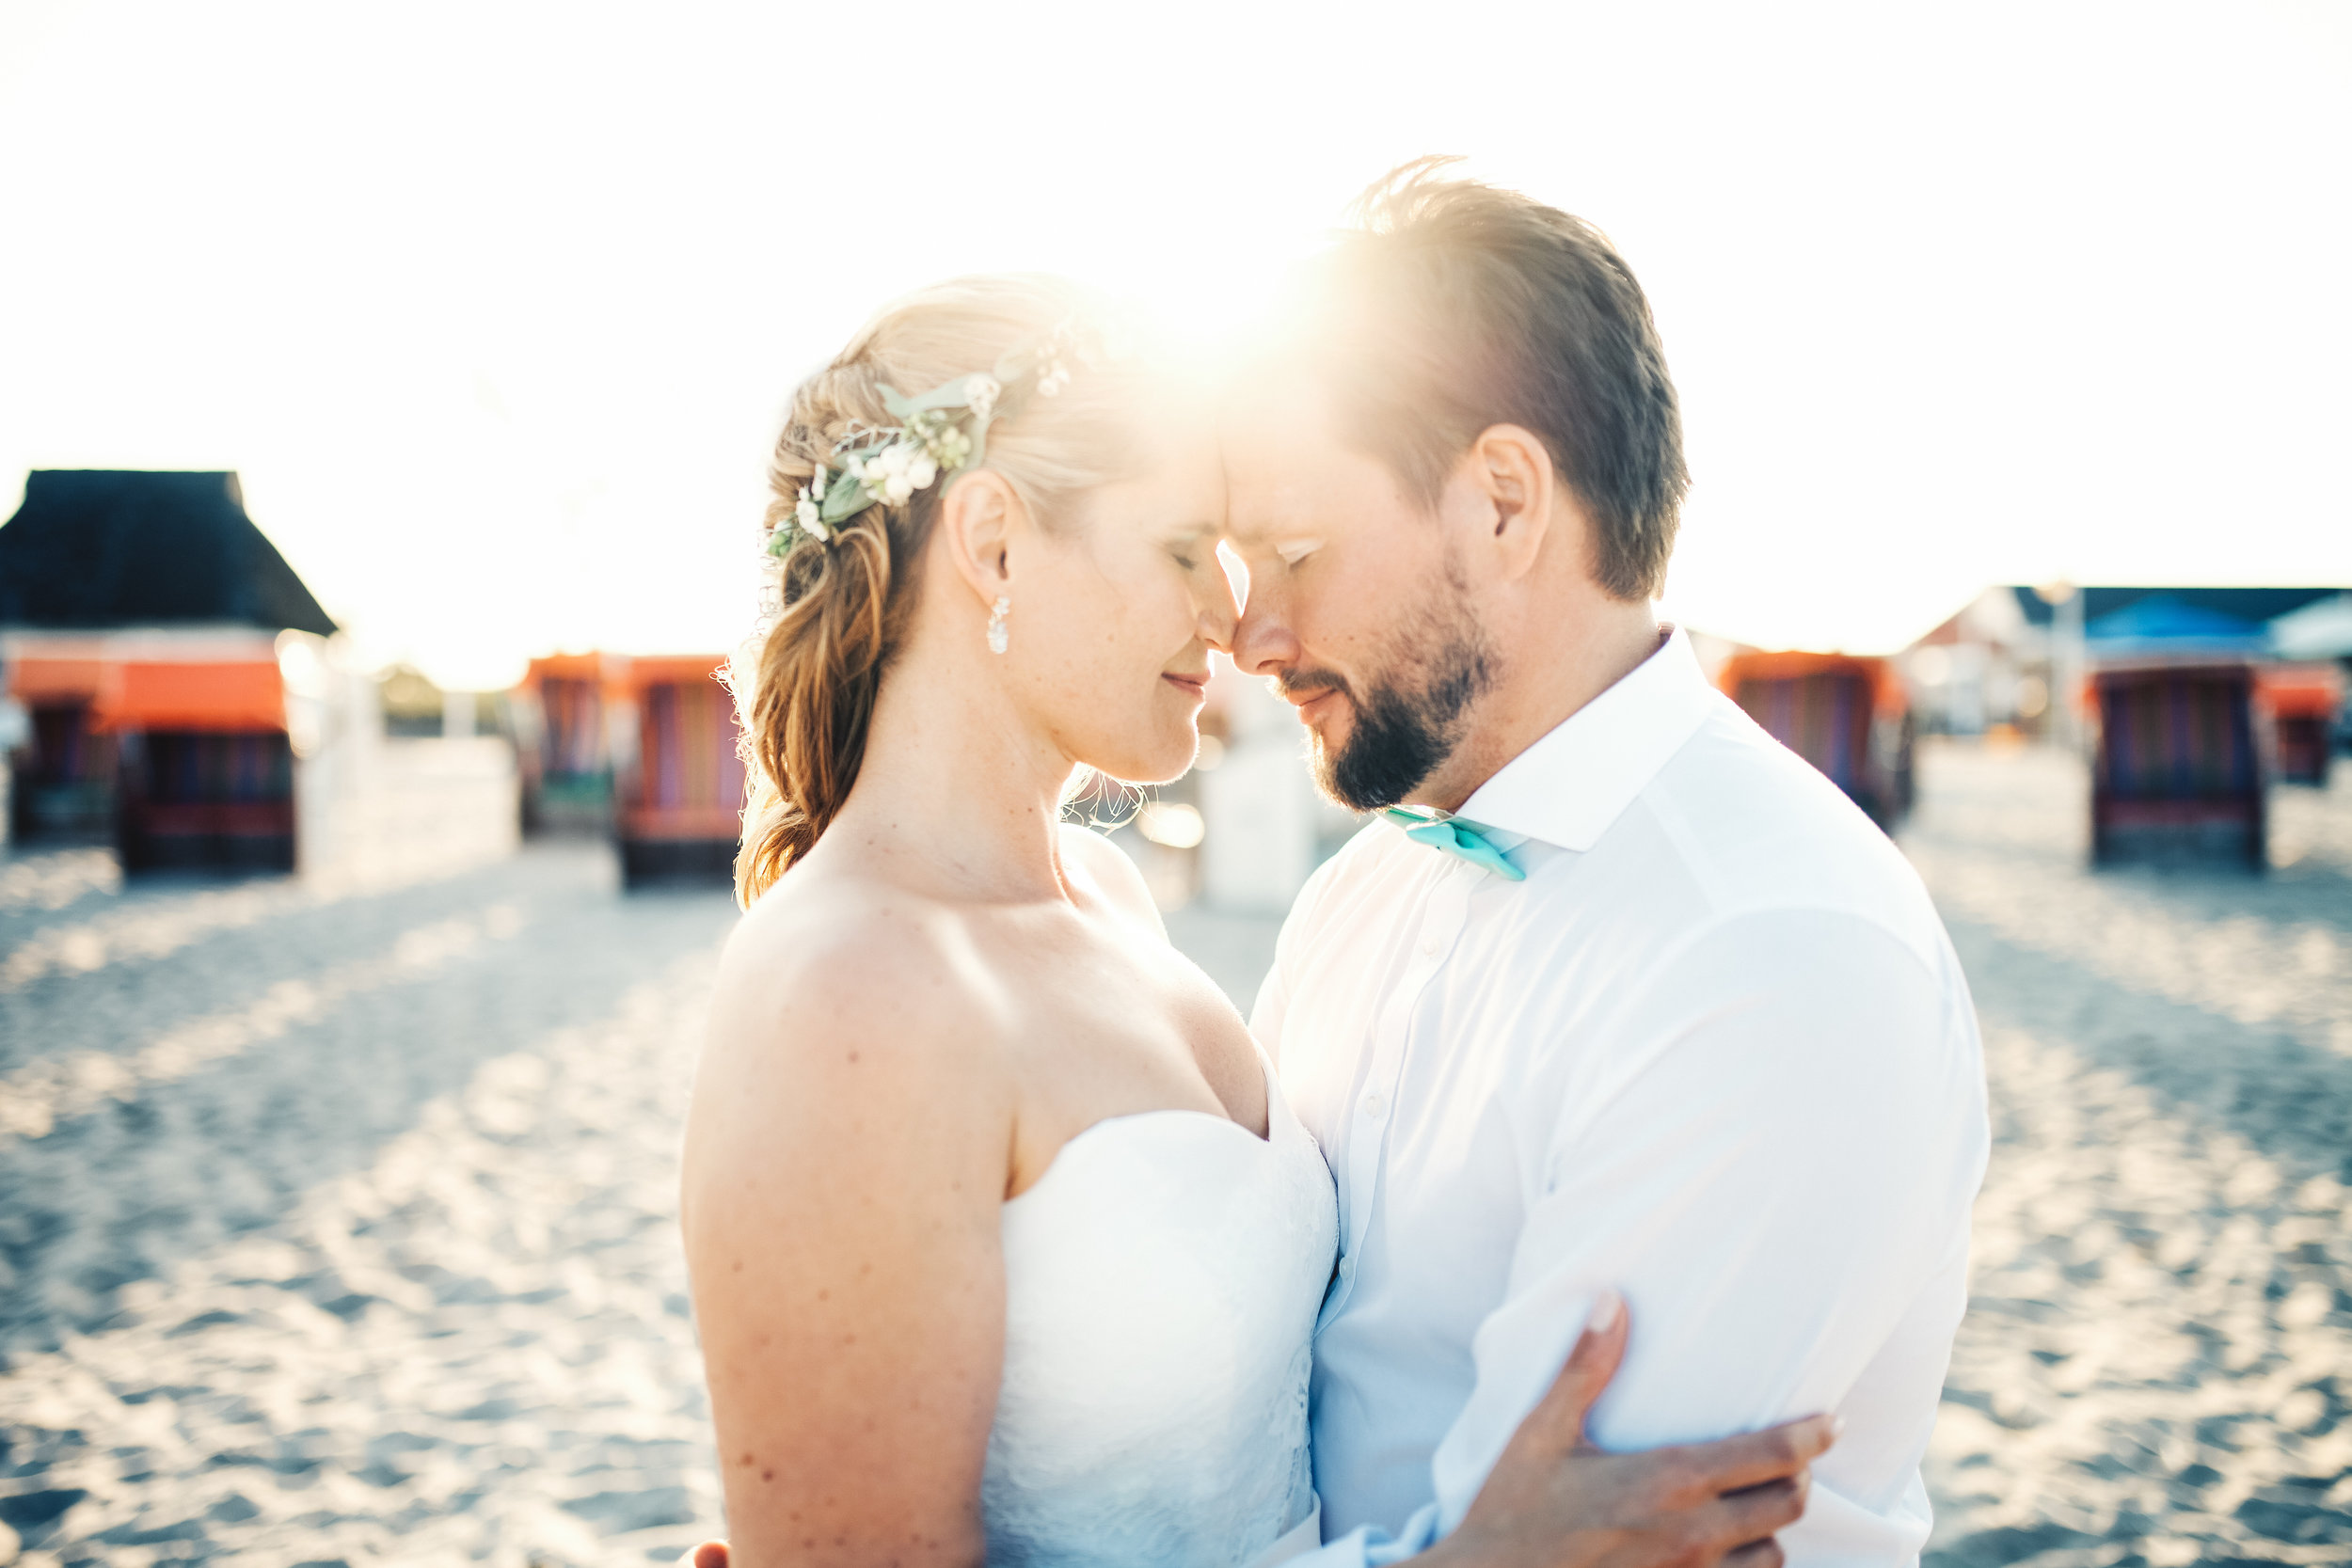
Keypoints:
pixel 847 988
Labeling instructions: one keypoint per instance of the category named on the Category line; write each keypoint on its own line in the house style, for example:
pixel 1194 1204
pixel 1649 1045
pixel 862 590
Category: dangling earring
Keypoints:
pixel 997 635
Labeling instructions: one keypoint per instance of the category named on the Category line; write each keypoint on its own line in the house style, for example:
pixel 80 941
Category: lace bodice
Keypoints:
pixel 1162 1281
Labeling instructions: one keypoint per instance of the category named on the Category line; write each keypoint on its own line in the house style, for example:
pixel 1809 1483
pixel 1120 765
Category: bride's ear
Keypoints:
pixel 980 522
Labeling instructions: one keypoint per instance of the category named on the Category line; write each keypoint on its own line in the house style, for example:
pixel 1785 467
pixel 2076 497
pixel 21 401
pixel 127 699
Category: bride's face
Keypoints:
pixel 1111 629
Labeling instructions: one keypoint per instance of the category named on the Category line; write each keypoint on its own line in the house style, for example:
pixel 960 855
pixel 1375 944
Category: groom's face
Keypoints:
pixel 1359 612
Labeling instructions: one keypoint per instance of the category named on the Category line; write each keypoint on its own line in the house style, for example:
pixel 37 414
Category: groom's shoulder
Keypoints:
pixel 1758 829
pixel 1355 871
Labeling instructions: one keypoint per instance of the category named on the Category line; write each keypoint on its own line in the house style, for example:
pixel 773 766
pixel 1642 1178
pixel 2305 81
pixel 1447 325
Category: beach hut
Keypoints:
pixel 138 618
pixel 679 794
pixel 1845 714
pixel 2302 703
pixel 565 742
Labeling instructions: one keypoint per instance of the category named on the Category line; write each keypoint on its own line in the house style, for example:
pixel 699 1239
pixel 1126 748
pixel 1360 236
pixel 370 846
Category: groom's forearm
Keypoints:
pixel 1781 1192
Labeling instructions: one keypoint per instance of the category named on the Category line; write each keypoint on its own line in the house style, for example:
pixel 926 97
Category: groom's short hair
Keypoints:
pixel 1451 305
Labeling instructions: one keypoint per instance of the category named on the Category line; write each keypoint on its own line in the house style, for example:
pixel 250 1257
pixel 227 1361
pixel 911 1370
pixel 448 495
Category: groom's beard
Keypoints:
pixel 1409 719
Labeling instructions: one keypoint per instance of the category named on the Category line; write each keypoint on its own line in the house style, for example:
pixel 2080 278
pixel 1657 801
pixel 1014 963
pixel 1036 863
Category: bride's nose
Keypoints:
pixel 1221 612
pixel 1219 618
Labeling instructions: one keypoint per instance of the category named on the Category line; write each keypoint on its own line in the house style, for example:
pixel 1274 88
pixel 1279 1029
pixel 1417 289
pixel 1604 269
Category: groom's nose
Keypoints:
pixel 1263 643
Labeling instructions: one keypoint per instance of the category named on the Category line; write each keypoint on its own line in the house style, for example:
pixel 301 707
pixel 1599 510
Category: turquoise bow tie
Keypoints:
pixel 1456 837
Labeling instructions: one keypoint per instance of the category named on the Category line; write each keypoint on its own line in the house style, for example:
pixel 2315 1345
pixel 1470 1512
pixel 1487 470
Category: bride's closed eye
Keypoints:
pixel 1190 550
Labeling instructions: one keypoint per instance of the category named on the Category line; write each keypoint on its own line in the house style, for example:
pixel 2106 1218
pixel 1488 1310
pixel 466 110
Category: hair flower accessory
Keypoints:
pixel 945 431
pixel 809 517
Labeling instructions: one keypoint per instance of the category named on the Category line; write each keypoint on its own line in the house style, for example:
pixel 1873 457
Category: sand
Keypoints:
pixel 373 1259
pixel 2157 1362
pixel 337 1218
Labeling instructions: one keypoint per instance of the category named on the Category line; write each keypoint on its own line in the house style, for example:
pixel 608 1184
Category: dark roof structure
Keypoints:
pixel 94 547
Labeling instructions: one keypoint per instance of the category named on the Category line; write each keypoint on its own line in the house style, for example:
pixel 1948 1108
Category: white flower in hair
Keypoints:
pixel 893 474
pixel 951 448
pixel 940 432
pixel 809 518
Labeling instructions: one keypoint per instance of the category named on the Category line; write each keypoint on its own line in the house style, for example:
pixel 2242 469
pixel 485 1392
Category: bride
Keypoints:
pixel 1004 1244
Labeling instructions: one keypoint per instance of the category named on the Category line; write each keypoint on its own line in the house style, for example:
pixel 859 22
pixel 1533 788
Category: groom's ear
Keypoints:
pixel 1510 472
pixel 981 521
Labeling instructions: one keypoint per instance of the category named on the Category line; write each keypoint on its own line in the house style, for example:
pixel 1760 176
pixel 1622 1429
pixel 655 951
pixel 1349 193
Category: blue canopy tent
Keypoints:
pixel 2163 627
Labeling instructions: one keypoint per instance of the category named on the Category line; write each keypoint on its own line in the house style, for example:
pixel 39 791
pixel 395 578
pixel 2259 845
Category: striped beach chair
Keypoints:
pixel 2177 775
pixel 681 797
pixel 1846 715
pixel 565 747
pixel 206 771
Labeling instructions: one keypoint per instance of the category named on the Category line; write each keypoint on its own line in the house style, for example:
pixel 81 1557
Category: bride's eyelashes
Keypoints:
pixel 1188 552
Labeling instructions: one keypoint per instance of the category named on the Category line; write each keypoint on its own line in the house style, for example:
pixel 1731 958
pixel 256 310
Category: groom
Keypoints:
pixel 1661 1011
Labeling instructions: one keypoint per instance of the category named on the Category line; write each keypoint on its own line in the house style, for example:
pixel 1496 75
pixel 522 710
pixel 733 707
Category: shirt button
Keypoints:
pixel 1373 1106
pixel 1430 945
pixel 1347 1268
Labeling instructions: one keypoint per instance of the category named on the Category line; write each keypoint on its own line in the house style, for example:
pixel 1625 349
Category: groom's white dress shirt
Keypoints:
pixel 1715 1050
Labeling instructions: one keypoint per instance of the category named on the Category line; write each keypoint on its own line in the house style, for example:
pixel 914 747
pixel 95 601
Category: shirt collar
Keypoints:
pixel 1569 786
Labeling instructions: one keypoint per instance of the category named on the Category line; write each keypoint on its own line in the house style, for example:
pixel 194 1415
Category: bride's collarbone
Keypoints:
pixel 1105 1035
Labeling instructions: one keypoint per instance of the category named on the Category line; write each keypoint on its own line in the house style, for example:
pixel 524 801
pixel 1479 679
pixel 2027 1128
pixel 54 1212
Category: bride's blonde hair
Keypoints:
pixel 807 696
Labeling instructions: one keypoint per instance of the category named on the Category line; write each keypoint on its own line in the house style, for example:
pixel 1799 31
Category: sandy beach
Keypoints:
pixel 337 1221
pixel 2157 1362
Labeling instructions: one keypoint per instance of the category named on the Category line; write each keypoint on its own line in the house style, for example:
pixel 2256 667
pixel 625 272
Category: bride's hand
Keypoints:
pixel 1553 1501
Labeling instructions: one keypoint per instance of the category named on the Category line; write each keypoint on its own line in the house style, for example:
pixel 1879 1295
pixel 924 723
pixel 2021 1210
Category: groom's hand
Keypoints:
pixel 1553 1501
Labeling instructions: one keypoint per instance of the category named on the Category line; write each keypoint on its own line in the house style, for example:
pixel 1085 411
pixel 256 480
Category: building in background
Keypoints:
pixel 2187 702
pixel 173 689
pixel 413 706
pixel 2017 658
pixel 1989 664
pixel 140 616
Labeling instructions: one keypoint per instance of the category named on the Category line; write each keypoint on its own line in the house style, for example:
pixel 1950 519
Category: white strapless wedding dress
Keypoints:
pixel 1162 1281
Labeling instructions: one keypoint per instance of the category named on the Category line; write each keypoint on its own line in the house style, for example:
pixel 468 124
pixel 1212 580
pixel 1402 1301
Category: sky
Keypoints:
pixel 495 306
